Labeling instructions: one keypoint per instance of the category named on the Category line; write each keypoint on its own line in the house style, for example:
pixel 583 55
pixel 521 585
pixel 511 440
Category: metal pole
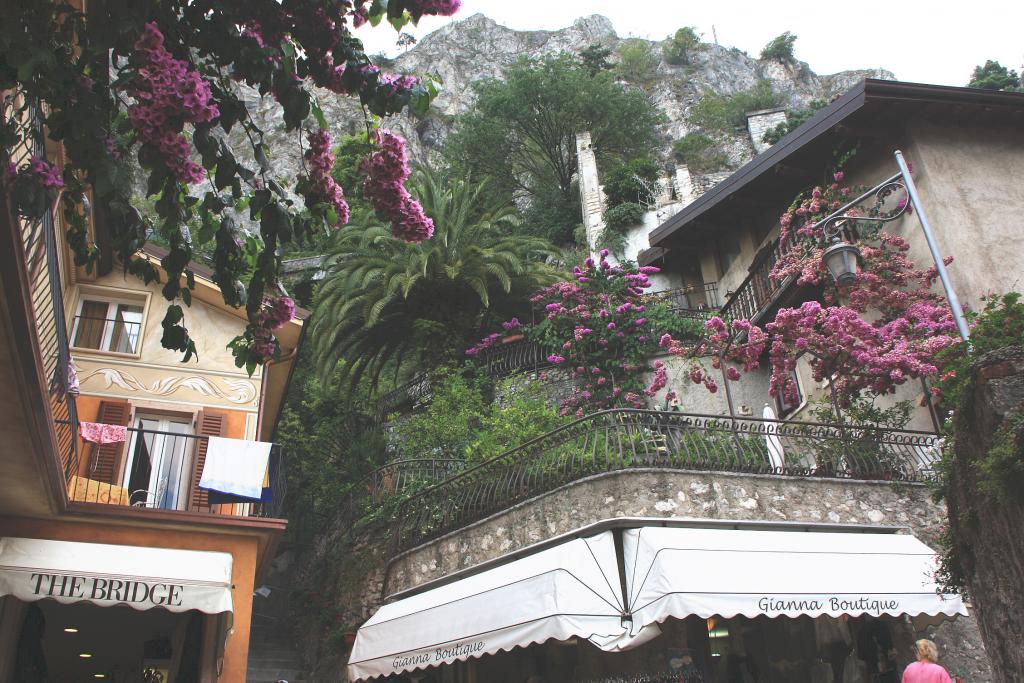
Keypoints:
pixel 954 302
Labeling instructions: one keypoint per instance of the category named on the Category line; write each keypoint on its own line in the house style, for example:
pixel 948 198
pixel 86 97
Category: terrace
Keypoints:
pixel 424 500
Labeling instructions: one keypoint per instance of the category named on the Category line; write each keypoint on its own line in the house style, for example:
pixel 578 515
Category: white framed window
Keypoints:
pixel 107 324
pixel 786 407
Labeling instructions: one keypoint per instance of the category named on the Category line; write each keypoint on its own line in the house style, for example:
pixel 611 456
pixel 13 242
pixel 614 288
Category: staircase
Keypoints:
pixel 271 659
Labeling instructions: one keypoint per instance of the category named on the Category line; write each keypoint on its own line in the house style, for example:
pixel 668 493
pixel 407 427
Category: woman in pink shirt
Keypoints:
pixel 925 669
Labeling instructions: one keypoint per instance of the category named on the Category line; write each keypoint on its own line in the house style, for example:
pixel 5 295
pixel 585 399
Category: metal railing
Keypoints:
pixel 404 397
pixel 693 301
pixel 504 359
pixel 393 480
pixel 40 253
pixel 758 291
pixel 106 334
pixel 624 439
pixel 156 469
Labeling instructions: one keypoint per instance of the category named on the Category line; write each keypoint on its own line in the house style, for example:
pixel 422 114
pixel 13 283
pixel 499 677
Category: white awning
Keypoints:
pixel 569 590
pixel 678 572
pixel 107 575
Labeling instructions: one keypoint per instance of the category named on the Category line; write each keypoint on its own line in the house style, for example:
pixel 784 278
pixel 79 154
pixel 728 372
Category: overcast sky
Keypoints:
pixel 938 41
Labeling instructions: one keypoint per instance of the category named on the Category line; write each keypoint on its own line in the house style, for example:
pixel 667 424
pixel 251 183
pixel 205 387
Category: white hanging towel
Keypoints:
pixel 235 466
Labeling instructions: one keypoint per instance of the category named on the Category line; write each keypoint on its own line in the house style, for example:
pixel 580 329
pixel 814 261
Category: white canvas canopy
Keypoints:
pixel 107 575
pixel 574 589
pixel 678 572
pixel 569 590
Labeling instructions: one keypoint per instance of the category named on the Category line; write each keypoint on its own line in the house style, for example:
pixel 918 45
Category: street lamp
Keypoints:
pixel 841 260
pixel 841 257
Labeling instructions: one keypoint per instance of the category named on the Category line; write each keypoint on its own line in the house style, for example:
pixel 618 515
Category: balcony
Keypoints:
pixel 160 470
pixel 621 440
pixel 694 301
pixel 758 292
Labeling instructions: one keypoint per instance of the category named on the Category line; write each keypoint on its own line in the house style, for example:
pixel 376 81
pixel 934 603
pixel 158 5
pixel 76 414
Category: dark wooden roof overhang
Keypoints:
pixel 874 112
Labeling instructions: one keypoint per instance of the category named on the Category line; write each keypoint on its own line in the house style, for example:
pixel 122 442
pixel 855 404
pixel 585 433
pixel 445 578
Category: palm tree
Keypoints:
pixel 388 304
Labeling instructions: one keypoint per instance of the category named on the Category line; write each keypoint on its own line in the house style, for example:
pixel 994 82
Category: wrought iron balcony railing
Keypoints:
pixel 158 469
pixel 627 439
pixel 758 291
pixel 404 397
pixel 694 301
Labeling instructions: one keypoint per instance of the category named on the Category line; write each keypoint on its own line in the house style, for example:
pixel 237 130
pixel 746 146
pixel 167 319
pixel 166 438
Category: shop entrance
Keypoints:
pixel 85 642
pixel 716 650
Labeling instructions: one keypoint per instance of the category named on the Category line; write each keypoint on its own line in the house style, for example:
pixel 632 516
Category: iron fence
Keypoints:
pixel 160 469
pixel 624 439
pixel 502 360
pixel 405 397
pixel 693 301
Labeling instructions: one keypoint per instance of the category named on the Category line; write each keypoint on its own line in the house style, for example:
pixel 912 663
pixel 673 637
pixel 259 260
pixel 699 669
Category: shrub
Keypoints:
pixel 636 60
pixel 625 182
pixel 724 113
pixel 1000 324
pixel 624 216
pixel 679 47
pixel 617 221
pixel 699 153
pixel 448 426
pixel 507 426
pixel 780 48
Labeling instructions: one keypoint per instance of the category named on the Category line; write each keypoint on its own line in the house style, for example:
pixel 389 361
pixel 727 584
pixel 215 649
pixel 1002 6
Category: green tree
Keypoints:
pixel 552 214
pixel 700 153
pixel 594 58
pixel 386 303
pixel 723 113
pixel 636 61
pixel 994 76
pixel 780 48
pixel 522 130
pixel 679 47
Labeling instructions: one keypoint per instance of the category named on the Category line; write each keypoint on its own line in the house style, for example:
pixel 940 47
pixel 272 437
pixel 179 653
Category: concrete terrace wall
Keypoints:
pixel 661 493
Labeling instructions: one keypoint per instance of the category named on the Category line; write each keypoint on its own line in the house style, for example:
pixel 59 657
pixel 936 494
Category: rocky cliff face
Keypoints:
pixel 476 48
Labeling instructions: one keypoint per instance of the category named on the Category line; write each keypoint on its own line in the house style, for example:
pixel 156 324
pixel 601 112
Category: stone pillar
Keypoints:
pixel 760 122
pixel 591 198
pixel 986 505
pixel 684 185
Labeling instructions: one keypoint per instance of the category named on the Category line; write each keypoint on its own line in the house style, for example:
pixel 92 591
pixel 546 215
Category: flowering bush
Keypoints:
pixel 319 187
pixel 602 326
pixel 160 81
pixel 36 186
pixel 873 335
pixel 168 94
pixel 387 169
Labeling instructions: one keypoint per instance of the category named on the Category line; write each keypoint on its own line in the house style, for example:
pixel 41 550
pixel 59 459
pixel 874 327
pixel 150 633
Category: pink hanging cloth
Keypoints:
pixel 100 433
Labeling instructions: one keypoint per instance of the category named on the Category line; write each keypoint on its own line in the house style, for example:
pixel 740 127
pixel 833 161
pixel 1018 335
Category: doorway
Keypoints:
pixel 160 461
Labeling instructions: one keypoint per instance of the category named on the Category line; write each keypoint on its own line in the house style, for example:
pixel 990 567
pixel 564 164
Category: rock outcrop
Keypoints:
pixel 476 48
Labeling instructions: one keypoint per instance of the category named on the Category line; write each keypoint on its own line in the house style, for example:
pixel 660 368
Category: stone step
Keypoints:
pixel 273 674
pixel 274 663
